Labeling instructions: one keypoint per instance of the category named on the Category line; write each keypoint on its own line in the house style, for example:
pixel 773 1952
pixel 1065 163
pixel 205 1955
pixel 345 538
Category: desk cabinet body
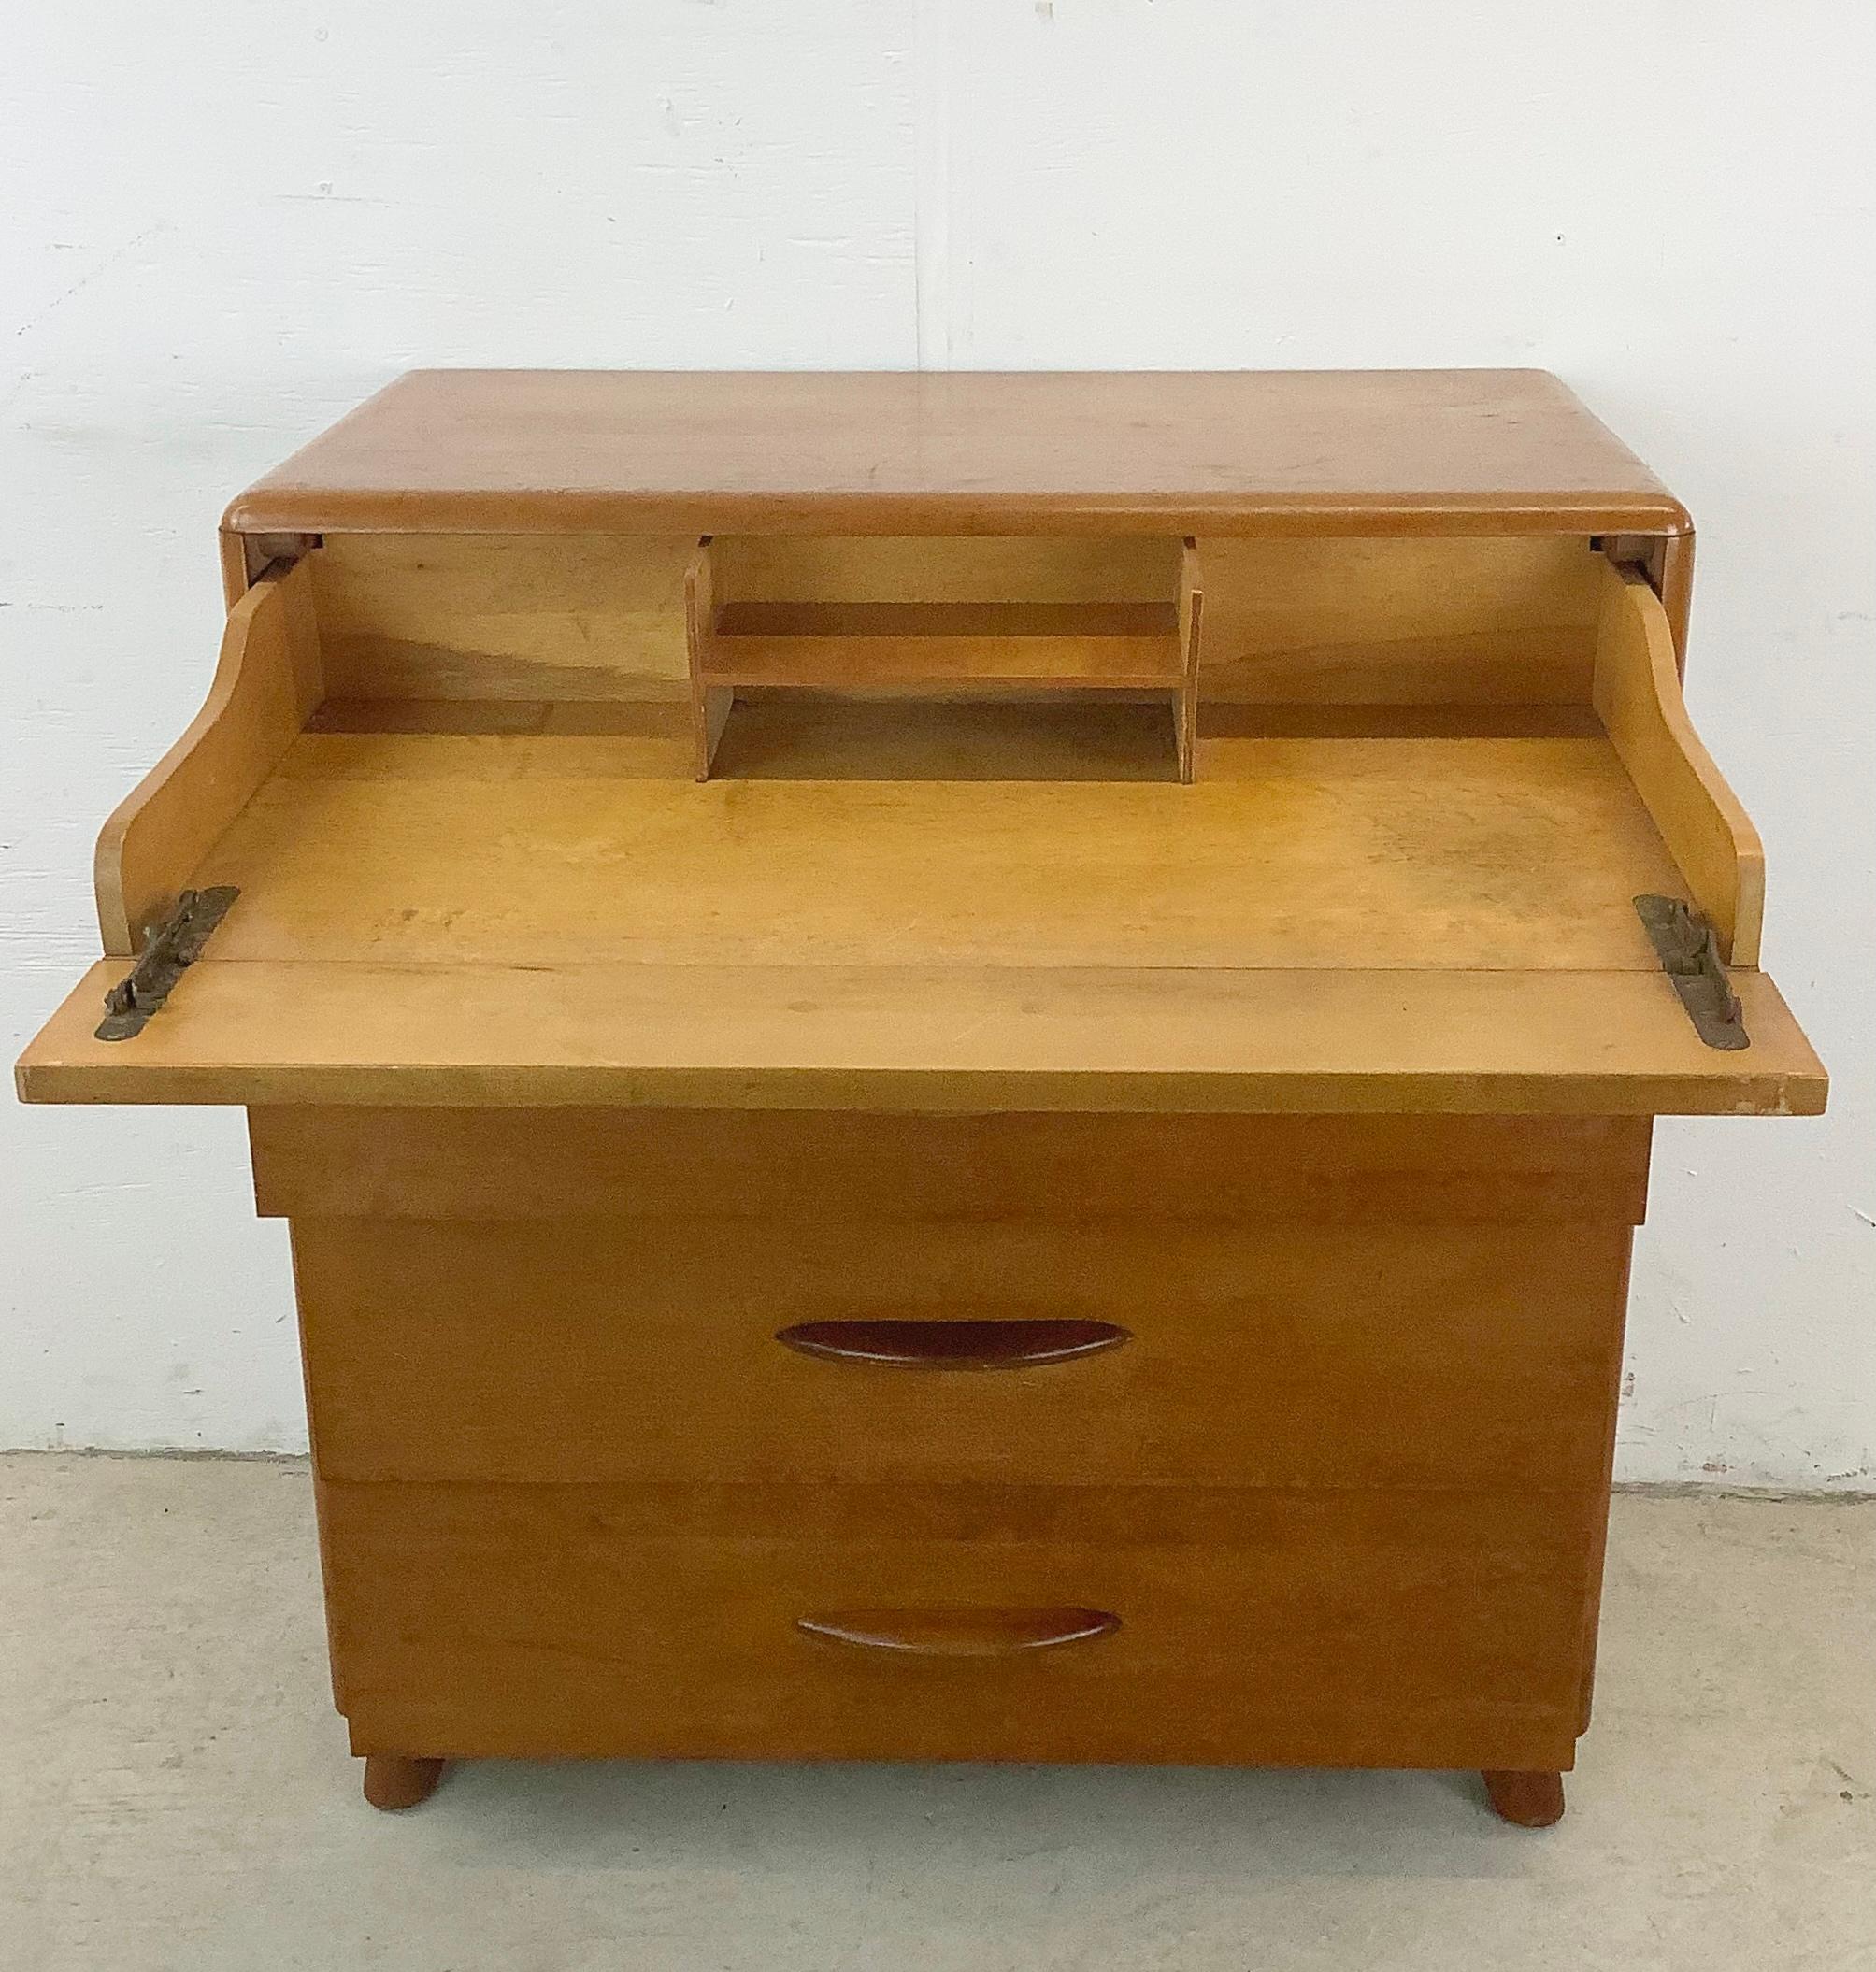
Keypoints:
pixel 961 1066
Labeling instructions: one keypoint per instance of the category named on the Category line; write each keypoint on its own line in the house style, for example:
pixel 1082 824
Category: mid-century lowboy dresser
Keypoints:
pixel 961 1065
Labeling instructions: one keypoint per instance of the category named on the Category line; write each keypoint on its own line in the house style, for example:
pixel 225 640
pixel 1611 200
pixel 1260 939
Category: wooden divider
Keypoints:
pixel 906 622
pixel 709 704
pixel 1191 631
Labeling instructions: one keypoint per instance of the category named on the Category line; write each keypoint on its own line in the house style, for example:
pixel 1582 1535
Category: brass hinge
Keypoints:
pixel 1689 950
pixel 171 948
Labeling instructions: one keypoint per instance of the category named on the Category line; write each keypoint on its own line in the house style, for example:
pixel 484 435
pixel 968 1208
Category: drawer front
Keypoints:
pixel 806 1164
pixel 1440 1629
pixel 762 1350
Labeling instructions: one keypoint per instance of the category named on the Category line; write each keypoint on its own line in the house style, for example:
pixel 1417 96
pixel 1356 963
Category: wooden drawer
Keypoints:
pixel 1249 1352
pixel 1441 1629
pixel 369 1163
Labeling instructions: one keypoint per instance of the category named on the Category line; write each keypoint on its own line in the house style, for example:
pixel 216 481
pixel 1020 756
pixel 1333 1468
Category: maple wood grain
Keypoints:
pixel 1325 452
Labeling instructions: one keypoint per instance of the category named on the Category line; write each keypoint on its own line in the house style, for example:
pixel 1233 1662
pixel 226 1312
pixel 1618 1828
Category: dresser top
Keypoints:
pixel 1234 452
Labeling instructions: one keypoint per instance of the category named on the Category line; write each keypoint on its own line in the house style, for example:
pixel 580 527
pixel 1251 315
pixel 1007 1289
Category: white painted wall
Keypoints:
pixel 224 224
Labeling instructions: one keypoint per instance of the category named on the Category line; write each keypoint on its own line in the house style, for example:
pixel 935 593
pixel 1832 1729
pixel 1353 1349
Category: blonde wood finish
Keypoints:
pixel 818 651
pixel 1673 573
pixel 1283 1627
pixel 1261 1352
pixel 266 680
pixel 924 571
pixel 917 1039
pixel 1068 1169
pixel 936 643
pixel 1065 737
pixel 1592 1613
pixel 490 851
pixel 1459 452
pixel 591 618
pixel 1191 654
pixel 233 549
pixel 711 703
pixel 1497 621
pixel 967 624
pixel 568 618
pixel 1638 697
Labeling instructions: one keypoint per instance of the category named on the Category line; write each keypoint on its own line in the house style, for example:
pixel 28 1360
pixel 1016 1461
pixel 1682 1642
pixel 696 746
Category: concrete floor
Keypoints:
pixel 175 1792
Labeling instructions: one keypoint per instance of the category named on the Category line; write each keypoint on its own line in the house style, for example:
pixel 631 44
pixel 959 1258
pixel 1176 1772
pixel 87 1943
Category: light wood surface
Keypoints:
pixel 1350 1628
pixel 944 624
pixel 711 702
pixel 1638 697
pixel 820 651
pixel 1506 621
pixel 267 679
pixel 515 850
pixel 1352 453
pixel 1673 558
pixel 558 617
pixel 943 641
pixel 1074 1169
pixel 594 618
pixel 232 550
pixel 944 569
pixel 1191 656
pixel 820 1037
pixel 1062 738
pixel 1262 1353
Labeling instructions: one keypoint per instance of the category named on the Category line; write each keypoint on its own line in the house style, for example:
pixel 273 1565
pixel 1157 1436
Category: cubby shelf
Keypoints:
pixel 988 650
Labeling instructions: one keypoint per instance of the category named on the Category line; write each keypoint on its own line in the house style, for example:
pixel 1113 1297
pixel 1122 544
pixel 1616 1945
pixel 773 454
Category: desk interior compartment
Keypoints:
pixel 939 619
pixel 452 780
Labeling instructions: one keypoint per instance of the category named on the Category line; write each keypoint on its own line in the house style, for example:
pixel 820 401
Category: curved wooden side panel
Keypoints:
pixel 267 680
pixel 1637 695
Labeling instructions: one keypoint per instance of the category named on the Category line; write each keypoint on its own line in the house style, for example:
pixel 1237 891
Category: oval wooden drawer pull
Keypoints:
pixel 955 1345
pixel 960 1633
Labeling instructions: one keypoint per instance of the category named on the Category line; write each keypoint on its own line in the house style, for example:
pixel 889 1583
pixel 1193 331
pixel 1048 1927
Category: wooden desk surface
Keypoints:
pixel 1226 452
pixel 1404 924
pixel 1337 853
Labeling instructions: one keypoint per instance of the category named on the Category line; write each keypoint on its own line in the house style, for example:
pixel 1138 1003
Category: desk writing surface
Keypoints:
pixel 518 849
pixel 1358 924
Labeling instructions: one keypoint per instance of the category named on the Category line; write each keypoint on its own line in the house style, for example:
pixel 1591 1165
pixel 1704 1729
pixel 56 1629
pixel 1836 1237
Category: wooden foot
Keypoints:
pixel 1532 1800
pixel 391 1781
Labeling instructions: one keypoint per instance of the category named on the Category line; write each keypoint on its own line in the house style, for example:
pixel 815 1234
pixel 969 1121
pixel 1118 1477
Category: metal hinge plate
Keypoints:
pixel 171 948
pixel 1689 950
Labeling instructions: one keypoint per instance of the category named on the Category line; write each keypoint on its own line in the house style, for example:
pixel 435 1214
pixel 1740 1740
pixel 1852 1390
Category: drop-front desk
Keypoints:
pixel 961 1064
